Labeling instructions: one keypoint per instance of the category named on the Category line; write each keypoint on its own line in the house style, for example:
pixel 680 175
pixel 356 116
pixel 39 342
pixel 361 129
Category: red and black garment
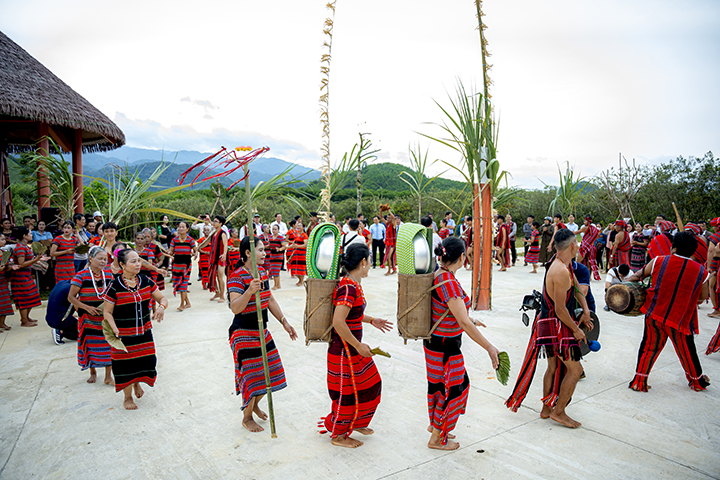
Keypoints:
pixel 502 242
pixel 715 261
pixel 182 262
pixel 5 298
pixel 661 244
pixel 218 243
pixel 274 259
pixel 93 350
pixel 448 382
pixel 353 381
pixel 204 264
pixel 233 256
pixel 533 254
pixel 670 310
pixel 622 254
pixel 588 251
pixel 550 336
pixel 131 313
pixel 64 264
pixel 24 289
pixel 297 262
pixel 244 338
pixel 148 254
pixel 159 277
pixel 444 233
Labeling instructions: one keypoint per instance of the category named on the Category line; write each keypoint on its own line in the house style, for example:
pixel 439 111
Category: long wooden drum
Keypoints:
pixel 414 306
pixel 318 309
pixel 626 298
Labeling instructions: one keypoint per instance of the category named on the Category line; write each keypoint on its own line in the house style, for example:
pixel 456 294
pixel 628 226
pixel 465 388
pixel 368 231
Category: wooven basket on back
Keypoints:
pixel 318 309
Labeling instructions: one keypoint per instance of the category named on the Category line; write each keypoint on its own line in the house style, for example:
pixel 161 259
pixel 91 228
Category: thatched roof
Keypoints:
pixel 31 93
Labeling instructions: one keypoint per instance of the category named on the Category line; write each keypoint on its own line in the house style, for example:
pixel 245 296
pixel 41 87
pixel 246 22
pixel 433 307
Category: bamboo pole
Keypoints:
pixel 258 304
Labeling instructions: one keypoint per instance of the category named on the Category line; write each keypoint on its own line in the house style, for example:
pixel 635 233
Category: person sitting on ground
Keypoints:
pixel 616 275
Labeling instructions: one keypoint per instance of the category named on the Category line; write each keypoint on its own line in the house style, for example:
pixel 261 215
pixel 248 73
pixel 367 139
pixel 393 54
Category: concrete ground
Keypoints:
pixel 55 425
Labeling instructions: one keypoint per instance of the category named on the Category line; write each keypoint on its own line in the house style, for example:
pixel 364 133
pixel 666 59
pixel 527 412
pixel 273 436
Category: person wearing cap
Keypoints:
pixel 258 226
pixel 621 246
pixel 98 217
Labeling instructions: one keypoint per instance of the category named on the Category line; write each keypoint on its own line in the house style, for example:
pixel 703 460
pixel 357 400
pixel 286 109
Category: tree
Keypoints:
pixel 568 192
pixel 365 155
pixel 417 180
pixel 623 185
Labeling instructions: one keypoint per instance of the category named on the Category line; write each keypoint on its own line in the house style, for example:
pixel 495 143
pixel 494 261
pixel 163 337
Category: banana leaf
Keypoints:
pixel 38 248
pixel 82 249
pixel 503 370
pixel 6 254
pixel 114 341
pixel 377 351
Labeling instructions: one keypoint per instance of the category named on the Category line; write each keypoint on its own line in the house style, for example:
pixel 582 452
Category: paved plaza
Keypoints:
pixel 57 426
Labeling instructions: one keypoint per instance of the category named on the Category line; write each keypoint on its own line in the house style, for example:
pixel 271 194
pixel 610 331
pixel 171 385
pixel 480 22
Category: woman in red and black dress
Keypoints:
pixel 245 336
pixel 218 257
pixel 233 252
pixel 448 383
pixel 533 253
pixel 204 263
pixel 182 248
pixel 127 310
pixel 5 298
pixel 297 246
pixel 353 380
pixel 390 241
pixel 24 290
pixel 63 250
pixel 86 292
pixel 276 250
pixel 151 239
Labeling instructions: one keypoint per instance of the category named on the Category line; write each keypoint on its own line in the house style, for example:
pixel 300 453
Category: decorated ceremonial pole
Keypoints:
pixel 258 304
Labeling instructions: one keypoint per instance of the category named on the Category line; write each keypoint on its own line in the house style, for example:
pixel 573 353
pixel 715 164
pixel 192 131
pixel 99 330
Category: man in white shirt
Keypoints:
pixel 200 227
pixel 282 228
pixel 571 225
pixel 353 236
pixel 377 232
pixel 346 226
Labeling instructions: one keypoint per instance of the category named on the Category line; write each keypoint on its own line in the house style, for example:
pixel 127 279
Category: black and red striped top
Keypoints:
pixel 132 305
pixel 89 294
pixel 182 250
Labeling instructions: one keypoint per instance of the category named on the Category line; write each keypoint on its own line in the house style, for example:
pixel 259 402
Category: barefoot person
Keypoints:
pixel 555 330
pixel 217 259
pixel 63 250
pixel 182 248
pixel 275 251
pixel 390 242
pixel 502 242
pixel 448 383
pixel 24 289
pixel 678 286
pixel 127 310
pixel 533 252
pixel 244 336
pixel 86 292
pixel 353 380
pixel 297 241
pixel 5 298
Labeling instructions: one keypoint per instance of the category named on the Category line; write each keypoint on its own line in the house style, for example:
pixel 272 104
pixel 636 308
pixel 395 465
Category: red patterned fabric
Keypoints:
pixel 588 251
pixel 449 326
pixel 354 384
pixel 64 266
pixel 24 290
pixel 296 262
pixel 5 298
pixel 714 345
pixel 92 348
pixel 701 252
pixel 533 254
pixel 623 250
pixel 660 245
pixel 182 262
pixel 672 298
pixel 390 234
pixel 204 264
pixel 274 259
pixel 217 244
pixel 148 254
pixel 444 233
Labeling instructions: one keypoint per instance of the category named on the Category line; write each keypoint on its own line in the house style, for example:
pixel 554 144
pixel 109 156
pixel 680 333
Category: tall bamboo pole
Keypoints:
pixel 258 303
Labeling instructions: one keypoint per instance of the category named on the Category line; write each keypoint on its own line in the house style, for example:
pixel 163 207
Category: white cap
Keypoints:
pixel 97 214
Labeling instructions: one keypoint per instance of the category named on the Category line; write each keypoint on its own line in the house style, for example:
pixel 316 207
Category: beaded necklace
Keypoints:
pixel 92 277
pixel 137 298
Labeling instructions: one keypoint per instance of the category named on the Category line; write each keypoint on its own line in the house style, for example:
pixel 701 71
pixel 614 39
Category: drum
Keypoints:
pixel 626 298
pixel 319 309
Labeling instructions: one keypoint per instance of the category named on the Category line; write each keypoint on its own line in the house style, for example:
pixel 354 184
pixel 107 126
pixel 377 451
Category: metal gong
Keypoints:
pixel 592 335
pixel 423 256
pixel 325 253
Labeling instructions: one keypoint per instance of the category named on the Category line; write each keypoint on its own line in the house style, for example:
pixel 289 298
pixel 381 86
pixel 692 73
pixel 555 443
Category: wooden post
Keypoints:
pixel 77 169
pixel 484 299
pixel 43 188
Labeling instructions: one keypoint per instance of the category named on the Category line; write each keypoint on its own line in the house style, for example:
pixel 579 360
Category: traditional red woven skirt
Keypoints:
pixel 137 364
pixel 93 350
pixel 204 265
pixel 180 277
pixel 249 372
pixel 64 267
pixel 354 386
pixel 296 264
pixel 24 290
pixel 533 254
pixel 5 298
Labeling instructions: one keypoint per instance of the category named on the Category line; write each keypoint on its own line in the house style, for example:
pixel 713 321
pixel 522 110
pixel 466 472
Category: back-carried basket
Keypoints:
pixel 414 306
pixel 319 309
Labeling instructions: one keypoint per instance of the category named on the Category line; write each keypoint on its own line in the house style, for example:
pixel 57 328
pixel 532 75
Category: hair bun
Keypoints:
pixel 438 250
pixel 342 260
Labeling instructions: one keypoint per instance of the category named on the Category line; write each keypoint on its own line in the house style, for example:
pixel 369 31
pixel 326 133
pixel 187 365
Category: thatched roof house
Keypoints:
pixel 35 104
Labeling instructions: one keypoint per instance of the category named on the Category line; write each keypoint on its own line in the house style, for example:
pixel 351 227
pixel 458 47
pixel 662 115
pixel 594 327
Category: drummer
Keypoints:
pixel 614 276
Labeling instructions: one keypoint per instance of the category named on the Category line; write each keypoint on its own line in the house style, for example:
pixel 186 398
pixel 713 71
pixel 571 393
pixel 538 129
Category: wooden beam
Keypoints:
pixel 60 139
pixel 77 168
pixel 42 180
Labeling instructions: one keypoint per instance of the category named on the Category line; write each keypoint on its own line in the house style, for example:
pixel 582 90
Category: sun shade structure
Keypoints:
pixel 34 104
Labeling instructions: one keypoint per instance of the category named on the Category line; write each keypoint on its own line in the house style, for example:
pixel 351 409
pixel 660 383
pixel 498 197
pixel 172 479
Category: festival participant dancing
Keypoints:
pixel 555 330
pixel 533 252
pixel 353 380
pixel 390 242
pixel 661 244
pixel 502 242
pixel 151 239
pixel 275 251
pixel 24 289
pixel 621 247
pixel 297 241
pixel 86 292
pixel 182 249
pixel 5 298
pixel 678 286
pixel 63 250
pixel 638 251
pixel 467 236
pixel 587 255
pixel 127 310
pixel 233 252
pixel 244 336
pixel 557 225
pixel 448 383
pixel 204 263
pixel 218 257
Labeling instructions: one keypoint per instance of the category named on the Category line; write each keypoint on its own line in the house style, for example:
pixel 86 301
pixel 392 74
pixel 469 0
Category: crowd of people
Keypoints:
pixel 119 285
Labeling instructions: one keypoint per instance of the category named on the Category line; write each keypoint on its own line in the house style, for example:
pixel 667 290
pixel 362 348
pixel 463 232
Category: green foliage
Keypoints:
pixel 95 197
pixel 417 181
pixel 568 192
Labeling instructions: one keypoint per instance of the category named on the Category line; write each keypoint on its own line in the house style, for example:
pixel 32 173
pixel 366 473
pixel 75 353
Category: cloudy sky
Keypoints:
pixel 574 80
